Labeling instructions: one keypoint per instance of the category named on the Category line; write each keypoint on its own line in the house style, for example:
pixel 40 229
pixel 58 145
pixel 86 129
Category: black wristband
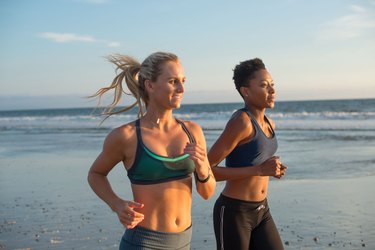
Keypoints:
pixel 202 181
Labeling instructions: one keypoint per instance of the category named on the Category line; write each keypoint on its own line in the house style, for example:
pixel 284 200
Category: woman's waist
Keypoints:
pixel 164 222
pixel 164 205
pixel 248 189
pixel 163 192
pixel 165 213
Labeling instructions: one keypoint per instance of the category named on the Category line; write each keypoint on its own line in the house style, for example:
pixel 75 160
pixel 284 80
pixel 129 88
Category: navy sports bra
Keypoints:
pixel 150 168
pixel 259 149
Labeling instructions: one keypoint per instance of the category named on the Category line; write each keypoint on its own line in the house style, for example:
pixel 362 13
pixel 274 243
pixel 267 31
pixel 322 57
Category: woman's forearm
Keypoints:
pixel 206 188
pixel 224 173
pixel 101 186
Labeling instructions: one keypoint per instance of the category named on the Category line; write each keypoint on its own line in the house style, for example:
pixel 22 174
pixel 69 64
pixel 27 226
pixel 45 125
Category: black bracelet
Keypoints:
pixel 205 180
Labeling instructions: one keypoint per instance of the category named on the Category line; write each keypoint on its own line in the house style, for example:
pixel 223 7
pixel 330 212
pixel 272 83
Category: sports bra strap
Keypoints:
pixel 191 137
pixel 138 130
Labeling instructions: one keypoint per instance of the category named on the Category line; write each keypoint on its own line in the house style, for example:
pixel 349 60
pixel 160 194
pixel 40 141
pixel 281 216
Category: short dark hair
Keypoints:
pixel 244 72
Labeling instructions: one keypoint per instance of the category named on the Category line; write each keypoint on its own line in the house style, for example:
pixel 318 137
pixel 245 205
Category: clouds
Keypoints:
pixel 66 37
pixel 71 37
pixel 359 22
pixel 81 32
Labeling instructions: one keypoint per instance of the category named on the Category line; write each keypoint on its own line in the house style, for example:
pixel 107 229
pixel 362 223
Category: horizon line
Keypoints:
pixel 187 104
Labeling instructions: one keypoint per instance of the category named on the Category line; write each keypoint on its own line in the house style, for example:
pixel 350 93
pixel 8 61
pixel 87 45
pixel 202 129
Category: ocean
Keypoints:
pixel 45 155
pixel 340 133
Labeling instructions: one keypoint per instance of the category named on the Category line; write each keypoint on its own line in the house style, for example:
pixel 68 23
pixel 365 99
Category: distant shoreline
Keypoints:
pixel 93 102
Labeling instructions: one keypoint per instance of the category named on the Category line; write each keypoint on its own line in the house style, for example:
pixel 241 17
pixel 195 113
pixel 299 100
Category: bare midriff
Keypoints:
pixel 167 206
pixel 248 189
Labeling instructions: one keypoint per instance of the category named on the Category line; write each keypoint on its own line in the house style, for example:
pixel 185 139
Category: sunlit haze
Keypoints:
pixel 53 52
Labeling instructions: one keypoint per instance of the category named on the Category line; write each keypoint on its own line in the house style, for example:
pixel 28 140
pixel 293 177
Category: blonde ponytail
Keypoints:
pixel 134 75
pixel 128 69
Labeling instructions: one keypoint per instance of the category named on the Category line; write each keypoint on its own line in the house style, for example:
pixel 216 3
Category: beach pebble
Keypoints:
pixel 287 243
pixel 363 245
pixel 316 239
pixel 10 222
pixel 55 241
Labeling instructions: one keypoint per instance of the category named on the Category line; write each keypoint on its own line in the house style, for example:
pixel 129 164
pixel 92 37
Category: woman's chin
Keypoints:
pixel 176 103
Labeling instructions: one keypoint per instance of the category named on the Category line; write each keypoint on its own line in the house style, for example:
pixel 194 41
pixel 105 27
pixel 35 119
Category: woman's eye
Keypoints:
pixel 175 81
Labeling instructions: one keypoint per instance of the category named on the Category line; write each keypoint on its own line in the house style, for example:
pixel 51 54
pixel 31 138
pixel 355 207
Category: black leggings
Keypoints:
pixel 241 225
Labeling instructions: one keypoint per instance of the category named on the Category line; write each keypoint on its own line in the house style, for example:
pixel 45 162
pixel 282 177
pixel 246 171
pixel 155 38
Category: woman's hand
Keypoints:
pixel 198 155
pixel 126 213
pixel 283 169
pixel 273 167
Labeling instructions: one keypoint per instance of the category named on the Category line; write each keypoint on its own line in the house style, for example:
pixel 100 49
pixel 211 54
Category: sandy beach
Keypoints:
pixel 313 214
pixel 325 200
pixel 46 203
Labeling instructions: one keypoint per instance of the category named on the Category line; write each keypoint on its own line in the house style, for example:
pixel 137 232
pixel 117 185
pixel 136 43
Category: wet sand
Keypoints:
pixel 315 214
pixel 46 203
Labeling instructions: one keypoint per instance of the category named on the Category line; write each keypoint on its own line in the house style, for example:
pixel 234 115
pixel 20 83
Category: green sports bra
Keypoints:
pixel 150 168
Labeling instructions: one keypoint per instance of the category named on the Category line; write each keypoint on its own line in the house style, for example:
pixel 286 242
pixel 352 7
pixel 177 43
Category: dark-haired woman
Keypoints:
pixel 242 219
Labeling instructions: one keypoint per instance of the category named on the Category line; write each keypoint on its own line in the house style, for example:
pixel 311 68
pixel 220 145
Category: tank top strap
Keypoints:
pixel 254 121
pixel 252 118
pixel 269 124
pixel 191 137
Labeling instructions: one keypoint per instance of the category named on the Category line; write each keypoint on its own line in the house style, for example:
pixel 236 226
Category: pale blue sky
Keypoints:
pixel 52 51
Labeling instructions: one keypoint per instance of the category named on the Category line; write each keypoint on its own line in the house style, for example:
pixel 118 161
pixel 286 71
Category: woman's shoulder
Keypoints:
pixel 194 128
pixel 240 120
pixel 191 126
pixel 122 134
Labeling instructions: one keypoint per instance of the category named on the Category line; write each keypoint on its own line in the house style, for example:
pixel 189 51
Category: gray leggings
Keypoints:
pixel 140 238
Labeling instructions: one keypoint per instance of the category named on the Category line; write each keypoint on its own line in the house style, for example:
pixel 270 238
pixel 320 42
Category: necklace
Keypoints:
pixel 156 124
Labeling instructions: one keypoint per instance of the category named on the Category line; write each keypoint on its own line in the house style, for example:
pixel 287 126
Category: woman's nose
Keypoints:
pixel 180 88
pixel 271 89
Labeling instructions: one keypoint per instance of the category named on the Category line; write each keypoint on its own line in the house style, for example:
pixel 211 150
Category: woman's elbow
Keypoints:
pixel 217 175
pixel 90 177
pixel 207 196
pixel 208 193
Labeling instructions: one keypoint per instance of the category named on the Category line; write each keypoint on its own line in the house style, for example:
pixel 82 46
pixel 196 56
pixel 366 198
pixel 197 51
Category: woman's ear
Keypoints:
pixel 148 85
pixel 244 91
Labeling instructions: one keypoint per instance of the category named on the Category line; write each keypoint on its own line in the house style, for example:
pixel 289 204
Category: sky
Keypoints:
pixel 52 52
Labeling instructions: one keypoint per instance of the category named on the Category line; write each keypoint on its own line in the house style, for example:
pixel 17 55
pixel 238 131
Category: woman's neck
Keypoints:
pixel 157 118
pixel 257 113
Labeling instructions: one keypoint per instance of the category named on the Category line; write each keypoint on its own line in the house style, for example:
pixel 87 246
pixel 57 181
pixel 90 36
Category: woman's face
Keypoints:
pixel 168 89
pixel 261 90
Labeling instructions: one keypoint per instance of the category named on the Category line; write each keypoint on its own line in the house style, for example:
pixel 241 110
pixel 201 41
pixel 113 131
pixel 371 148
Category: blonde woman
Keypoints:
pixel 159 152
